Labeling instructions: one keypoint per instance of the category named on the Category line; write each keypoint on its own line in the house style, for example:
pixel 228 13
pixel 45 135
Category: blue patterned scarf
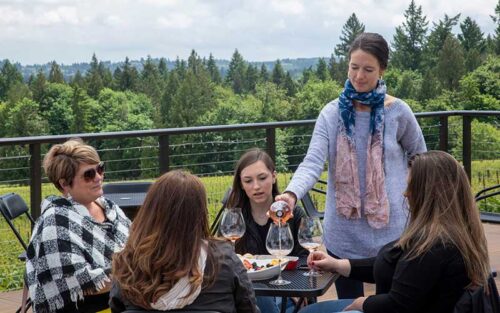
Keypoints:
pixel 347 195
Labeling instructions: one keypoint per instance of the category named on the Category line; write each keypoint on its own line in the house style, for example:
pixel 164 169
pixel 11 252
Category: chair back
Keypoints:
pixel 215 225
pixel 127 187
pixel 12 206
pixel 477 301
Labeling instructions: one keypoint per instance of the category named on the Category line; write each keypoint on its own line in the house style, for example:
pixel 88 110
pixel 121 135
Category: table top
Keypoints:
pixel 300 286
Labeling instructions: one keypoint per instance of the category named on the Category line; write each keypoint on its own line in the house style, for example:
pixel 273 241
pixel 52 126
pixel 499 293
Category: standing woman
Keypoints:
pixel 366 136
pixel 69 254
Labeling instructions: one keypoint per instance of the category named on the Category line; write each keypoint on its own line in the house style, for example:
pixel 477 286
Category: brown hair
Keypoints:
pixel 373 44
pixel 443 209
pixel 238 197
pixel 63 160
pixel 165 240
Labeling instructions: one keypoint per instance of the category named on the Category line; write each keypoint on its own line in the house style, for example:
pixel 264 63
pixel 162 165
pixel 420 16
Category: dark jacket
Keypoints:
pixel 230 292
pixel 252 242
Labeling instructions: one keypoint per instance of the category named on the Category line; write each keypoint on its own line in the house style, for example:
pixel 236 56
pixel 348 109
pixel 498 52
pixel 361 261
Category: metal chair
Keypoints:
pixel 13 206
pixel 485 194
pixel 308 203
pixel 215 225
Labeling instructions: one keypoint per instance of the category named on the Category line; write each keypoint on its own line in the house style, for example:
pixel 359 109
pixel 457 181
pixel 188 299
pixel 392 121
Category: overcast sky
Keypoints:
pixel 69 31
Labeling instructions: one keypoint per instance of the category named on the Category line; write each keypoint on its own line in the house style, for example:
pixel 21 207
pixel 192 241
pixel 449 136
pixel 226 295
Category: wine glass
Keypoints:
pixel 279 242
pixel 310 237
pixel 232 225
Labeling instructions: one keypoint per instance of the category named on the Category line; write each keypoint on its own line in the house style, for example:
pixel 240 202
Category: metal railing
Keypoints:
pixel 165 147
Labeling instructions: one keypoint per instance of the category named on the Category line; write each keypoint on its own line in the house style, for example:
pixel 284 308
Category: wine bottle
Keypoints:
pixel 279 212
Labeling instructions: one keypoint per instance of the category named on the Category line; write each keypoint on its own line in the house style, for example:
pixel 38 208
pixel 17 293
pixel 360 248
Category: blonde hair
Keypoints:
pixel 63 160
pixel 443 210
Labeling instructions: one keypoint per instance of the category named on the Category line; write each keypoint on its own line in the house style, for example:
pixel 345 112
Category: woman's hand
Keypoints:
pixel 288 197
pixel 357 305
pixel 319 260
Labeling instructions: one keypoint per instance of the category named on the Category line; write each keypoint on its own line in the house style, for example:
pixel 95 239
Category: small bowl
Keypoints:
pixel 293 261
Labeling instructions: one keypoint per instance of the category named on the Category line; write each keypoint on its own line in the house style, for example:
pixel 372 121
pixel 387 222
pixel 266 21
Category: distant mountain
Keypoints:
pixel 294 66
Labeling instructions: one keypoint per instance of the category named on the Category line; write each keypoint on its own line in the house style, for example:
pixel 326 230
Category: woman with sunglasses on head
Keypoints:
pixel 69 255
pixel 171 262
pixel 441 253
pixel 365 136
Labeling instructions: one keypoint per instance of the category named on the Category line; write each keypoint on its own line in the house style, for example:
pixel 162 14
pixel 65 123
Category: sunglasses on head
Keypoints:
pixel 89 174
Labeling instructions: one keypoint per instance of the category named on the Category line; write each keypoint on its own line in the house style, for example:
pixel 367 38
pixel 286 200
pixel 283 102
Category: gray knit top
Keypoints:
pixel 354 238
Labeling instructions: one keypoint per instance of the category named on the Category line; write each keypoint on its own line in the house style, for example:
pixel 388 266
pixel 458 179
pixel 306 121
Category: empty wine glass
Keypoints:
pixel 310 236
pixel 279 242
pixel 232 225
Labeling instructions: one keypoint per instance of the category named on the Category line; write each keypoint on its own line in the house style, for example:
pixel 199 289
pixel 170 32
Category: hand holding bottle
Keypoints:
pixel 280 212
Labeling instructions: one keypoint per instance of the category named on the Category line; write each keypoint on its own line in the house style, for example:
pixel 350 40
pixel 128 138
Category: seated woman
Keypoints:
pixel 170 261
pixel 254 189
pixel 442 251
pixel 69 255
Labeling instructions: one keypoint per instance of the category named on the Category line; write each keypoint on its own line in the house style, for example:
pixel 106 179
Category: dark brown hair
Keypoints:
pixel 373 44
pixel 165 240
pixel 238 197
pixel 443 210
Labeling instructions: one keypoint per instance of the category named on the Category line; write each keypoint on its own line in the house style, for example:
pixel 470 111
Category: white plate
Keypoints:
pixel 265 273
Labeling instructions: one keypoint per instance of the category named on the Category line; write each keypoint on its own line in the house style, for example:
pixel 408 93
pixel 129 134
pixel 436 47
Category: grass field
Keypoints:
pixel 485 173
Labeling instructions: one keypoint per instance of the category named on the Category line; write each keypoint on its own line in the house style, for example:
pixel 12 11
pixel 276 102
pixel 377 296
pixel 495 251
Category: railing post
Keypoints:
pixel 443 133
pixel 35 179
pixel 466 144
pixel 164 153
pixel 271 142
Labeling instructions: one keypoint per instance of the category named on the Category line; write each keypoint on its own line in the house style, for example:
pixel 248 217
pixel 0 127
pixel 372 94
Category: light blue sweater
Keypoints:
pixel 402 138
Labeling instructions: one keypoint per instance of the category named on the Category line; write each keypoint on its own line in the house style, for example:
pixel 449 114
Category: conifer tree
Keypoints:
pixel 236 74
pixel 163 69
pixel 322 70
pixel 450 66
pixel 126 76
pixel 78 80
pixel 473 43
pixel 150 83
pixel 55 74
pixel 213 70
pixel 93 79
pixel 264 74
pixel 252 78
pixel 38 86
pixel 436 39
pixel 409 39
pixel 289 85
pixel 351 29
pixel 9 76
pixel 278 75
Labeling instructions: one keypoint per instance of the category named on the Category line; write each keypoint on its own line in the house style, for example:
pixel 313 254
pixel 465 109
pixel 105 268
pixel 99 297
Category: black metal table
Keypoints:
pixel 301 286
pixel 129 202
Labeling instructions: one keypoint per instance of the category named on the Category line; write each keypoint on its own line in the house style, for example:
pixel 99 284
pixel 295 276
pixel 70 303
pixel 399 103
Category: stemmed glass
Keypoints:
pixel 310 236
pixel 232 225
pixel 279 242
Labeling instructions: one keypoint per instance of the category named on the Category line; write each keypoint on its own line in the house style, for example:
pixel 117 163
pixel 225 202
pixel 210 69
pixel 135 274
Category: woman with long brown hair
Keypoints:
pixel 442 251
pixel 170 261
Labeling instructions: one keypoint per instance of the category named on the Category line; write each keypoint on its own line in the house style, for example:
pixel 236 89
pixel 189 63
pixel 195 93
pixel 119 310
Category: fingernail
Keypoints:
pixel 312 263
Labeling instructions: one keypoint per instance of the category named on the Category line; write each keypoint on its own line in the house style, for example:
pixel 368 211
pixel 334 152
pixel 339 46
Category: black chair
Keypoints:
pixel 126 187
pixel 476 300
pixel 308 204
pixel 13 206
pixel 215 224
pixel 485 194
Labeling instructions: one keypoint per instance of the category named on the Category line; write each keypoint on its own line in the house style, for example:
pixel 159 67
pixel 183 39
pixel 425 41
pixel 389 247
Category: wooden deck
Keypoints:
pixel 10 301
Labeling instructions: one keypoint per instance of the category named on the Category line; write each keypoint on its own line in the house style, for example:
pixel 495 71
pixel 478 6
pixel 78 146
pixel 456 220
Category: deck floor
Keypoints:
pixel 10 301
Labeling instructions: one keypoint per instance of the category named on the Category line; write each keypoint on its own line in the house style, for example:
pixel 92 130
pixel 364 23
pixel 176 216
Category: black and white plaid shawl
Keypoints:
pixel 70 252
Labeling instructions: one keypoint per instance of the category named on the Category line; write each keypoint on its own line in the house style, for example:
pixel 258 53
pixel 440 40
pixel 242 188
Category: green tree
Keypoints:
pixel 264 74
pixel 213 70
pixel 322 70
pixel 351 29
pixel 55 107
pixel 473 43
pixel 163 69
pixel 168 98
pixel 429 88
pixel 450 66
pixel 278 75
pixel 24 119
pixel 496 38
pixel 55 74
pixel 252 78
pixel 236 74
pixel 127 77
pixel 93 78
pixel 9 76
pixel 290 85
pixel 151 83
pixel 409 39
pixel 78 80
pixel 38 85
pixel 436 39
